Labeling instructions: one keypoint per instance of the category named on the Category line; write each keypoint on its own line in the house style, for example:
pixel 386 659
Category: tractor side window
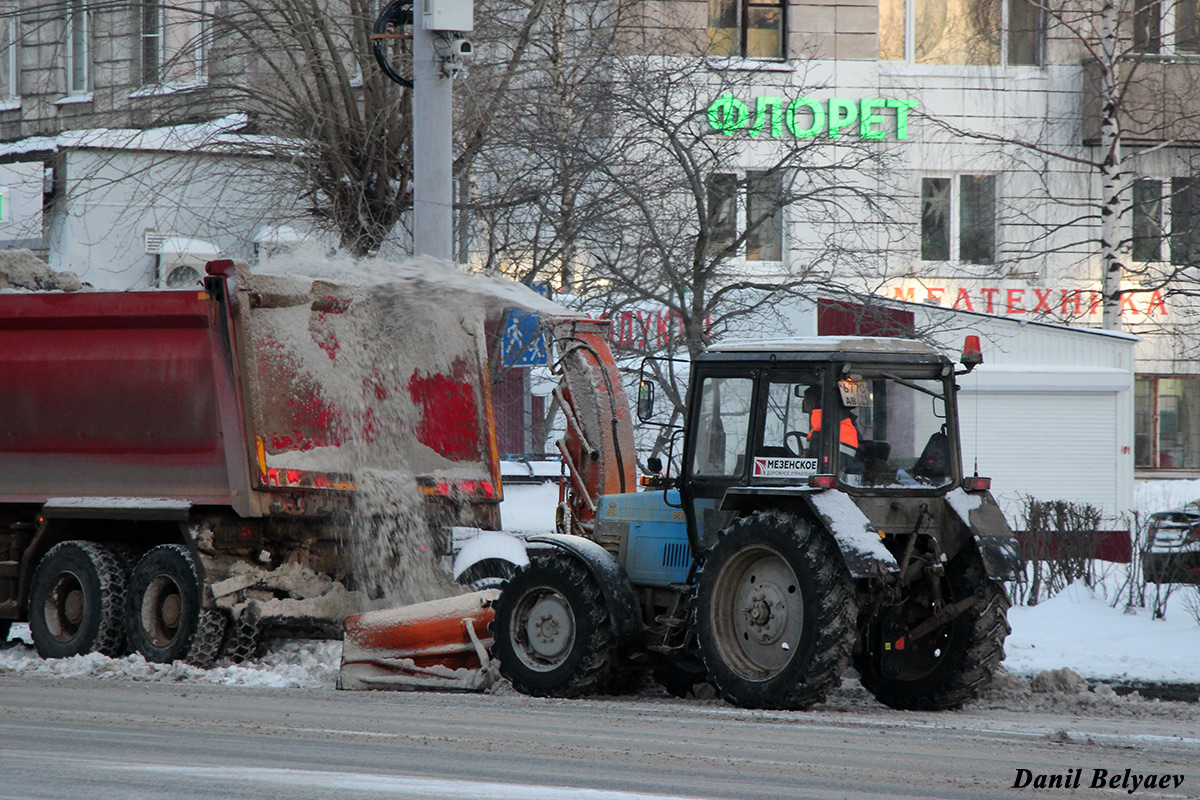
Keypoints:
pixel 723 426
pixel 787 421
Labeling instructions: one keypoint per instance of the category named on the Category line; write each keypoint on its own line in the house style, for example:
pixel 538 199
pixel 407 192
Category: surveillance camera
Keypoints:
pixel 462 48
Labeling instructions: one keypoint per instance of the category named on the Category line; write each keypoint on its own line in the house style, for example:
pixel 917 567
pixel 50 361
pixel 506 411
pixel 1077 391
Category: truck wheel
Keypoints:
pixel 951 665
pixel 775 613
pixel 162 611
pixel 552 632
pixel 75 601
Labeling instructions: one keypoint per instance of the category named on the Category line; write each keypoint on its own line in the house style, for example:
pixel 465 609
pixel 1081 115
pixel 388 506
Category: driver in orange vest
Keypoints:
pixel 812 405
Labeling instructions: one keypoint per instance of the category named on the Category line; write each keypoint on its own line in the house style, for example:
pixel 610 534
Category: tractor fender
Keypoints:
pixel 487 545
pixel 997 545
pixel 861 547
pixel 624 611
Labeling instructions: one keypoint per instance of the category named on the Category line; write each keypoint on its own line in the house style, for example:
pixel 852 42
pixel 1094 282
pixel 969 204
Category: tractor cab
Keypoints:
pixel 867 416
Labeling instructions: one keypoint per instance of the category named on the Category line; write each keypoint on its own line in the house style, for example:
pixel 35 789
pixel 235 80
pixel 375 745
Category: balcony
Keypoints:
pixel 1161 102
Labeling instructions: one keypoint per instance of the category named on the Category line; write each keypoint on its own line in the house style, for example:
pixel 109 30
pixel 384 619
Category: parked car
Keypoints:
pixel 1172 554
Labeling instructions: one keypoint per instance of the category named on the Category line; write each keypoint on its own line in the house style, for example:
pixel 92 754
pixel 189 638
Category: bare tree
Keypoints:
pixel 1140 107
pixel 661 192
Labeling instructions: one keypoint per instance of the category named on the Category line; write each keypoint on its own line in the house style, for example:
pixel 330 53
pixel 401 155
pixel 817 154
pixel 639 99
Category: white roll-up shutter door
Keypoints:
pixel 1050 446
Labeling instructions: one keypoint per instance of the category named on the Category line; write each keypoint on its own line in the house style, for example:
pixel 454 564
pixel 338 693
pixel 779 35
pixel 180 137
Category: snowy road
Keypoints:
pixel 110 739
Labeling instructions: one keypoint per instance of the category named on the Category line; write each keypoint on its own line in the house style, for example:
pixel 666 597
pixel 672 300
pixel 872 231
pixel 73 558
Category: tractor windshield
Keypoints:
pixel 904 433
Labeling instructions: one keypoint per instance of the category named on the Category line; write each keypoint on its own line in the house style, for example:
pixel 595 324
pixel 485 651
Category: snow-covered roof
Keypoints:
pixel 218 135
pixel 826 344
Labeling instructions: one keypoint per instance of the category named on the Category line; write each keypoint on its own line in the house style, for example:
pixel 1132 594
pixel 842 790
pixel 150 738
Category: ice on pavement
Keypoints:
pixel 1075 630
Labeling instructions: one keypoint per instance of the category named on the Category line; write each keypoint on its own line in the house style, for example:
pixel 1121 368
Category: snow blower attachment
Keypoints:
pixel 440 644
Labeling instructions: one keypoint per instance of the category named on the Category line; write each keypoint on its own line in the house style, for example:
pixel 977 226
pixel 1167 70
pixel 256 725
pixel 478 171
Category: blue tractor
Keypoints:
pixel 819 518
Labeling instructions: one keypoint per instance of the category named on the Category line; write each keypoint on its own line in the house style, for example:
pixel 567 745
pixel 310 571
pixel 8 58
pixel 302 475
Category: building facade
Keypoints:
pixel 995 120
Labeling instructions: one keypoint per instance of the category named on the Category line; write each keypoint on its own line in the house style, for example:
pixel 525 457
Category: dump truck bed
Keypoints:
pixel 232 398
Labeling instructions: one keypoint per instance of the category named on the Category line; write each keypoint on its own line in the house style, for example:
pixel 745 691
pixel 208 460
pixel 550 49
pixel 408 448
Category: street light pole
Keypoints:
pixel 438 51
pixel 433 209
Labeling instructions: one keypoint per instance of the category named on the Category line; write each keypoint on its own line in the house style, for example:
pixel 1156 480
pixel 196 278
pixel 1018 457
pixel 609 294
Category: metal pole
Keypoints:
pixel 433 197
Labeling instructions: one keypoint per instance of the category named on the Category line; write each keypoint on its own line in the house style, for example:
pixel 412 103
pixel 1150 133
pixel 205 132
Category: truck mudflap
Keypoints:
pixel 861 547
pixel 998 547
pixel 624 609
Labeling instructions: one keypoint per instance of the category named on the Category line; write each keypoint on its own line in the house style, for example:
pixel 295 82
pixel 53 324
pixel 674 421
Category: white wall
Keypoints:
pixel 21 185
pixel 114 197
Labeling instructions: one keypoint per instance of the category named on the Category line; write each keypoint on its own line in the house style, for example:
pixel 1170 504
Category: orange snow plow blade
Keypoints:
pixel 440 644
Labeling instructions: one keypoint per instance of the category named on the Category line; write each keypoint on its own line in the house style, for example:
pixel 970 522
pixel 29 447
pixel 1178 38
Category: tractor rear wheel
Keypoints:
pixel 552 631
pixel 775 612
pixel 949 666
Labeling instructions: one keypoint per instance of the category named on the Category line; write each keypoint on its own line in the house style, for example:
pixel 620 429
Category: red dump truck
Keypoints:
pixel 181 471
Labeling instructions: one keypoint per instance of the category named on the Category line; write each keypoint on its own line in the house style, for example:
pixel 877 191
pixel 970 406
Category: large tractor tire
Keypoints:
pixel 775 613
pixel 552 632
pixel 75 601
pixel 948 667
pixel 163 609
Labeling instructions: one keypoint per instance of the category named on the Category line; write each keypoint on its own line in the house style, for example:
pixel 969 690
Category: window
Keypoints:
pixel 1185 227
pixel 722 209
pixel 1166 26
pixel 897 428
pixel 77 47
pixel 723 425
pixel 1181 208
pixel 9 65
pixel 978 32
pixel 759 216
pixel 1147 220
pixel 1167 422
pixel 764 230
pixel 970 234
pixel 172 42
pixel 746 28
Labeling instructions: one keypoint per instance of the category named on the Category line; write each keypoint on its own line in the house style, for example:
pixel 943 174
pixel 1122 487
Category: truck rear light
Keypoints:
pixel 822 481
pixel 485 489
pixel 300 479
pixel 977 484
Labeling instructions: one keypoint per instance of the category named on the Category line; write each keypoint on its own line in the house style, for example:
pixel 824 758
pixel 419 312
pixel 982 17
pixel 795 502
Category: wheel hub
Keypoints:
pixel 65 605
pixel 549 627
pixel 758 613
pixel 766 616
pixel 162 611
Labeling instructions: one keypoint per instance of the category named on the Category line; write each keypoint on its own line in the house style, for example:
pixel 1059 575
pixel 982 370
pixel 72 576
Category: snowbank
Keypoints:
pixel 1079 630
pixel 305 664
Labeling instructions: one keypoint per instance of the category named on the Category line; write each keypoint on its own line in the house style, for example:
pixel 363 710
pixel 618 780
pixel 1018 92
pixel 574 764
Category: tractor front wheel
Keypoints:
pixel 552 632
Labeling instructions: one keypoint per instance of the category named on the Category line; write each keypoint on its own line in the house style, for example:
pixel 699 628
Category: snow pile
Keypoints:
pixel 21 269
pixel 301 663
pixel 1078 629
